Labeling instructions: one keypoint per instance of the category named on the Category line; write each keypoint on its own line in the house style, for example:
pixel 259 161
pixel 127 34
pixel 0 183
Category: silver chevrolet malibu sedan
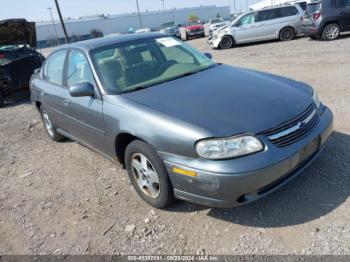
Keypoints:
pixel 182 125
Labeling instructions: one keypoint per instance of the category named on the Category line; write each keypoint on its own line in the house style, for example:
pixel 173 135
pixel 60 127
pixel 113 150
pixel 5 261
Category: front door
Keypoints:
pixel 246 29
pixel 84 115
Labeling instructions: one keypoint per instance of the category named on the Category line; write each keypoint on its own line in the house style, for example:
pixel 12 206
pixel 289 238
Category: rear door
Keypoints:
pixel 51 86
pixel 83 115
pixel 268 23
pixel 344 12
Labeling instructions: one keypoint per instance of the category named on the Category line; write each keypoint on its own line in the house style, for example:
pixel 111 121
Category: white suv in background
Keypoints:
pixel 216 23
pixel 282 22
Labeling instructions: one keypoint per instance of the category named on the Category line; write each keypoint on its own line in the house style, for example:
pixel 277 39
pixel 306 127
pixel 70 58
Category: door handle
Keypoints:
pixel 66 102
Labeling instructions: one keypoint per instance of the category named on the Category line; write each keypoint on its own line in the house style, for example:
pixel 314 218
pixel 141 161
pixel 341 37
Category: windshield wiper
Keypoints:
pixel 137 88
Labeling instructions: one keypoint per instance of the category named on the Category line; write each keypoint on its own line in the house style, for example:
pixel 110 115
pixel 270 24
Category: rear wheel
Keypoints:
pixel 148 175
pixel 287 34
pixel 226 42
pixel 49 127
pixel 331 32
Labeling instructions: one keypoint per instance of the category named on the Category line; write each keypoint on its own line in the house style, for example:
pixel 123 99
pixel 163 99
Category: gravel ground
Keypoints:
pixel 61 198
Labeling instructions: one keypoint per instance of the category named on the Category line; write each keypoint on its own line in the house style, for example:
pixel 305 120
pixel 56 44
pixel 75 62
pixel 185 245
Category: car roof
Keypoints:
pixel 92 44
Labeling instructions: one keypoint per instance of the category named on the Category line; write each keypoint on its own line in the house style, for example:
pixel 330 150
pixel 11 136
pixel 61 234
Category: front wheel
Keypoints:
pixel 331 32
pixel 148 175
pixel 49 127
pixel 287 34
pixel 226 42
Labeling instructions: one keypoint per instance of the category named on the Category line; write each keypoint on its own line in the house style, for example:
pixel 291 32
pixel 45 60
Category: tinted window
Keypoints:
pixel 287 11
pixel 312 8
pixel 303 5
pixel 267 15
pixel 344 3
pixel 247 19
pixel 53 69
pixel 79 70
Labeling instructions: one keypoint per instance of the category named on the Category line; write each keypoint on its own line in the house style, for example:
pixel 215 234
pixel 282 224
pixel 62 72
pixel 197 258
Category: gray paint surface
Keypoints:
pixel 172 117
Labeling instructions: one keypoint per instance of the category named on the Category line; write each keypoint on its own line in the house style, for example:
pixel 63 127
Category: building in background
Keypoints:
pixel 267 3
pixel 80 28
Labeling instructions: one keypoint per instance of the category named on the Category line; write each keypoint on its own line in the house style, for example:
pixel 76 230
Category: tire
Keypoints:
pixel 49 127
pixel 226 42
pixel 331 32
pixel 313 37
pixel 287 34
pixel 2 102
pixel 148 175
pixel 187 37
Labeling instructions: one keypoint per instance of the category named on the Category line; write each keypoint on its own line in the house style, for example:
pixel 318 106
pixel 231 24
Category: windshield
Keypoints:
pixel 166 25
pixel 135 65
pixel 12 52
pixel 312 8
pixel 215 21
pixel 193 23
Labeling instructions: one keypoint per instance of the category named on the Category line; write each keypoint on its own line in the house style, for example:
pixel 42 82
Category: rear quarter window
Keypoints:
pixel 267 15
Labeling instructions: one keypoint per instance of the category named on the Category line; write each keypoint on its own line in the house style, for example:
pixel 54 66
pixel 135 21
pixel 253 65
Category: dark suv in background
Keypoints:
pixel 326 19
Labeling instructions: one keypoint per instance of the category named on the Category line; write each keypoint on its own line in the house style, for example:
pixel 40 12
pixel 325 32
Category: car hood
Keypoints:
pixel 17 32
pixel 194 27
pixel 226 101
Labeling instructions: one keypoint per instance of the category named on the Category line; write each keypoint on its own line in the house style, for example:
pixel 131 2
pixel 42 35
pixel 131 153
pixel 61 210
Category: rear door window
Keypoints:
pixel 266 15
pixel 53 69
pixel 287 11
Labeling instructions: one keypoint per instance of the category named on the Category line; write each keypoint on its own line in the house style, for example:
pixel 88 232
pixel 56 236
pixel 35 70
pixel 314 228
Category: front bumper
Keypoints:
pixel 214 42
pixel 223 188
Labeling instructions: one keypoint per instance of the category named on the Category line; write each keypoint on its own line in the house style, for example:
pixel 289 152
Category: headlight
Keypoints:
pixel 230 147
pixel 316 100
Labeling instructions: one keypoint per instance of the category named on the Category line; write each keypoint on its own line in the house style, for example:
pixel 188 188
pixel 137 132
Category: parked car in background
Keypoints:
pixel 143 30
pixel 182 125
pixel 326 19
pixel 194 29
pixel 282 22
pixel 17 59
pixel 170 29
pixel 216 23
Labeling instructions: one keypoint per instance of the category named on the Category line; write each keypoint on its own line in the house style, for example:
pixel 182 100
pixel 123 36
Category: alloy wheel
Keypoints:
pixel 47 123
pixel 332 32
pixel 145 175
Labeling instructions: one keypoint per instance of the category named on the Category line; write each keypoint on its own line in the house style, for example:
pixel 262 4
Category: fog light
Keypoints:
pixel 180 171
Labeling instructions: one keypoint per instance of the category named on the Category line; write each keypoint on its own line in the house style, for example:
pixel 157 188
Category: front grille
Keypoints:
pixel 196 31
pixel 293 130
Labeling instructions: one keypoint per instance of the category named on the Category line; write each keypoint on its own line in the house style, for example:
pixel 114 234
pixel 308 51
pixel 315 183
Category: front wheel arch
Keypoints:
pixel 227 36
pixel 122 140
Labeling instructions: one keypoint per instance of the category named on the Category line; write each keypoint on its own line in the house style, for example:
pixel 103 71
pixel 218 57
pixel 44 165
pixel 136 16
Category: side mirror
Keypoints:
pixel 209 55
pixel 82 89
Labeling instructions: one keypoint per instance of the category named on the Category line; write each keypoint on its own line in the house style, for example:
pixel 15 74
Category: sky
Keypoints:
pixel 36 10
